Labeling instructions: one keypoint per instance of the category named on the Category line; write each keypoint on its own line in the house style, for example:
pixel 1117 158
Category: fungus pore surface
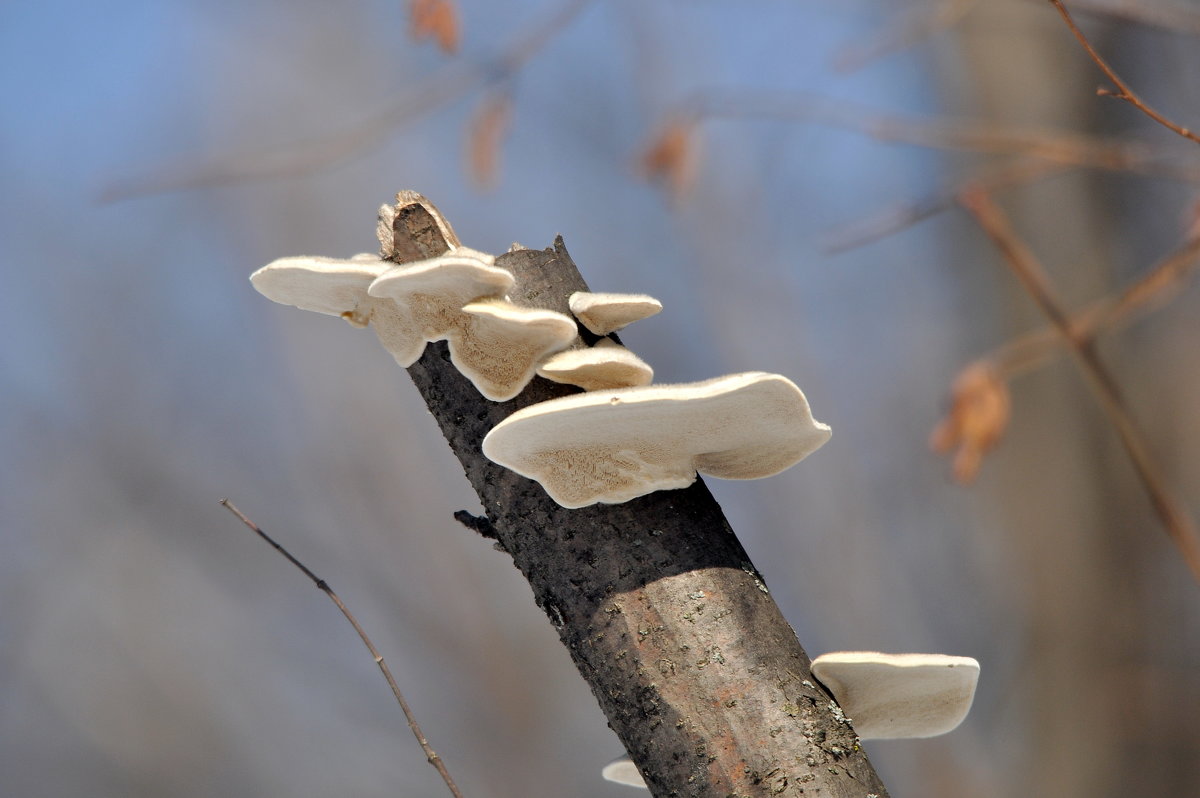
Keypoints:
pixel 500 345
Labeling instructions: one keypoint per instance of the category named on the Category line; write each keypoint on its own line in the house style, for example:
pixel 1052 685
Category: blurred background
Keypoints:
pixel 710 154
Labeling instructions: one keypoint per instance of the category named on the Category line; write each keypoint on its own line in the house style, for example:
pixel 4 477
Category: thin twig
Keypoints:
pixel 321 584
pixel 969 135
pixel 917 25
pixel 1029 271
pixel 1123 92
pixel 1175 17
pixel 902 215
pixel 1155 288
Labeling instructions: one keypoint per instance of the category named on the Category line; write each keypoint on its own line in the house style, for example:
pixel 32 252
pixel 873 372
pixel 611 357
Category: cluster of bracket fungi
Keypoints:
pixel 622 437
pixel 619 439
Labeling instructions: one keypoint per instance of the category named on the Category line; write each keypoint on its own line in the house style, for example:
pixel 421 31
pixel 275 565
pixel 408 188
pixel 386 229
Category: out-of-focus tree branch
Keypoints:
pixel 1157 287
pixel 452 82
pixel 1032 276
pixel 927 19
pixel 970 135
pixel 902 215
pixel 1163 14
pixel 918 23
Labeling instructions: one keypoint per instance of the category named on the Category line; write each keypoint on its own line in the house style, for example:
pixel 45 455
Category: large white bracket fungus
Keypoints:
pixel 596 368
pixel 885 696
pixel 889 696
pixel 339 288
pixel 613 446
pixel 606 313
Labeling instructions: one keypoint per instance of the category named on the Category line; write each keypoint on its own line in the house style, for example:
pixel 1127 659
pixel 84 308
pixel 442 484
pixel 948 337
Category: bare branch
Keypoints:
pixel 1154 289
pixel 1044 152
pixel 1029 271
pixel 1175 17
pixel 944 14
pixel 1123 92
pixel 901 216
pixel 430 754
pixel 918 24
pixel 970 135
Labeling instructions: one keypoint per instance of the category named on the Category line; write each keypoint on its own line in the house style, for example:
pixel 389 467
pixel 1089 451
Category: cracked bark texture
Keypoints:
pixel 663 613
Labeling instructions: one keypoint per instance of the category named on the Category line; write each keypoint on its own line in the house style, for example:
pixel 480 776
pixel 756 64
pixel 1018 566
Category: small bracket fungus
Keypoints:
pixel 493 347
pixel 623 771
pixel 899 695
pixel 615 445
pixel 499 347
pixel 339 288
pixel 435 290
pixel 606 313
pixel 605 365
pixel 456 297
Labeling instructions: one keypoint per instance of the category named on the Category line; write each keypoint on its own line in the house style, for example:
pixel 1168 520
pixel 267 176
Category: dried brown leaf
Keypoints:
pixel 437 20
pixel 671 157
pixel 485 137
pixel 980 407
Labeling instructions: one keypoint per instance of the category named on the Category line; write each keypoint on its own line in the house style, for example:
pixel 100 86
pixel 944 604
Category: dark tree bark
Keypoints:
pixel 663 613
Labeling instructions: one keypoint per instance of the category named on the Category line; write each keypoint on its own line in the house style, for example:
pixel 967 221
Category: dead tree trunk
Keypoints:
pixel 665 616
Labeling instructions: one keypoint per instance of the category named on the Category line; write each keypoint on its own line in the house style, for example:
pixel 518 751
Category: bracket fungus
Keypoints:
pixel 623 771
pixel 499 347
pixel 339 288
pixel 884 696
pixel 435 290
pixel 457 298
pixel 606 313
pixel 890 696
pixel 605 365
pixel 615 445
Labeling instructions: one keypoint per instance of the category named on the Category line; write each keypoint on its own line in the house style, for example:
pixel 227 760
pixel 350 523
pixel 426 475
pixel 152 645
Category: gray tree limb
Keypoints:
pixel 662 611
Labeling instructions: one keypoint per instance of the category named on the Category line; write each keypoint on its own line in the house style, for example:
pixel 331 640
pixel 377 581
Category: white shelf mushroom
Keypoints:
pixel 615 445
pixel 596 368
pixel 622 771
pixel 456 298
pixel 499 347
pixel 339 288
pixel 890 696
pixel 435 290
pixel 885 696
pixel 606 313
